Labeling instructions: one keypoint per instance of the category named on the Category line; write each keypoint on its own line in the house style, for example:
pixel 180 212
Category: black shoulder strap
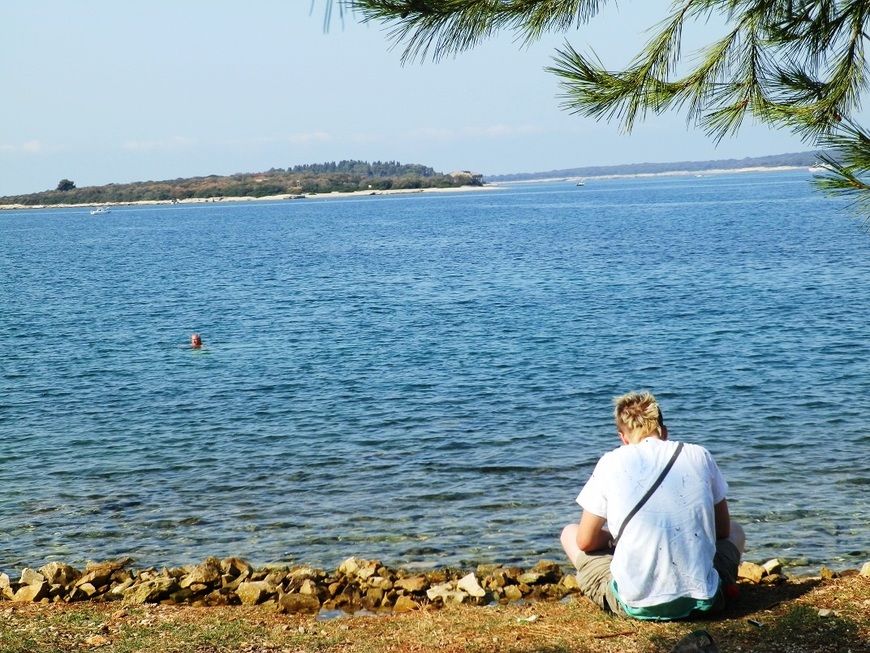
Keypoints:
pixel 649 492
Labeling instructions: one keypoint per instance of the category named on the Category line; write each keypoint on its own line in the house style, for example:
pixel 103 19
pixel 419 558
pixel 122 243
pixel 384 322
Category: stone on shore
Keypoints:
pixel 750 571
pixel 59 573
pixel 31 593
pixel 236 567
pixel 295 603
pixel 208 573
pixel 253 592
pixel 772 566
pixel 513 592
pixel 445 593
pixel 405 603
pixel 470 586
pixel 99 573
pixel 150 591
pixel 412 584
pixel 865 569
pixel 30 577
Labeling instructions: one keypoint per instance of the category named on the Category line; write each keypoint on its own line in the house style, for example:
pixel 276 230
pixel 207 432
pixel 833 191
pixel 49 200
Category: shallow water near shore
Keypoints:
pixel 426 379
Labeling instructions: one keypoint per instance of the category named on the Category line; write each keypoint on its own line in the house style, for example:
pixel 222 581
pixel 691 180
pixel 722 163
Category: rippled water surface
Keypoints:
pixel 426 379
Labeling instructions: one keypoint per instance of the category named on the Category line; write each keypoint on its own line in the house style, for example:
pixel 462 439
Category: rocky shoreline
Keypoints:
pixel 355 585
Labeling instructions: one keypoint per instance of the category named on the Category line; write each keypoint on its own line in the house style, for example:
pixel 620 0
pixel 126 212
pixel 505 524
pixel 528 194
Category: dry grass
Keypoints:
pixel 768 619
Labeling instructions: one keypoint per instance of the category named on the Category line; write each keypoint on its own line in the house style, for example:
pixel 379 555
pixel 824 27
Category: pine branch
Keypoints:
pixel 441 28
pixel 847 166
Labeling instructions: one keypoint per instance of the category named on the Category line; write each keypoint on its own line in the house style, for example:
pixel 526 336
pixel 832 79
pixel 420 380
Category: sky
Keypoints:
pixel 101 91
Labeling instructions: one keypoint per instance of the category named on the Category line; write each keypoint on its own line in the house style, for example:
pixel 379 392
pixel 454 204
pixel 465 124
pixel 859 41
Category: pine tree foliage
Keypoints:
pixel 798 64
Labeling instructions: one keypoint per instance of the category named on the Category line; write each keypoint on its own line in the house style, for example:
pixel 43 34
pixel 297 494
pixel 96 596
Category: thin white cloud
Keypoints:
pixel 303 138
pixel 173 143
pixel 498 131
pixel 502 131
pixel 28 147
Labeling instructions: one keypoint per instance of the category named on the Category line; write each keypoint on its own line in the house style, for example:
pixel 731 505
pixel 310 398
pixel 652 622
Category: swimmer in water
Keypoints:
pixel 195 341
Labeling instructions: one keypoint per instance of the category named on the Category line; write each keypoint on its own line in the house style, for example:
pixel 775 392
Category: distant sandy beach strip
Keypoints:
pixel 267 198
pixel 669 173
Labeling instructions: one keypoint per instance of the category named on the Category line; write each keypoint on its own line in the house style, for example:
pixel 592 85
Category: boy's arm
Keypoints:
pixel 723 520
pixel 590 533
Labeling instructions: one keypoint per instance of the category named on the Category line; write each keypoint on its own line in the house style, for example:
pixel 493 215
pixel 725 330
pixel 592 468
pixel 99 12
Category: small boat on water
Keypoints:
pixel 581 182
pixel 101 211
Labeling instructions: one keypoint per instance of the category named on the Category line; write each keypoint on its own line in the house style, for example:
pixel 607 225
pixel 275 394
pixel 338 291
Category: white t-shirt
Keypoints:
pixel 666 551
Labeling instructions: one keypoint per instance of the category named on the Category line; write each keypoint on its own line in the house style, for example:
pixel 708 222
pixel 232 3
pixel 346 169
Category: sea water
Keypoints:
pixel 426 379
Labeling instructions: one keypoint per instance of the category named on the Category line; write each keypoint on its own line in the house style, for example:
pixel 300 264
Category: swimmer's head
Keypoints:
pixel 195 340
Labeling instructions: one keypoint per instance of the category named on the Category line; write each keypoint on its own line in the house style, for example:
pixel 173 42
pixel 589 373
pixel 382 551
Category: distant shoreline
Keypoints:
pixel 495 185
pixel 266 198
pixel 668 173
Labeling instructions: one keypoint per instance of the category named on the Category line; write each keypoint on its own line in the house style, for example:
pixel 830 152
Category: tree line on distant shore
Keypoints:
pixel 343 176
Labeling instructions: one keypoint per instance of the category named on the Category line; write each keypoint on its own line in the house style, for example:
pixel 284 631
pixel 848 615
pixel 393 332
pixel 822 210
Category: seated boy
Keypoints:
pixel 678 552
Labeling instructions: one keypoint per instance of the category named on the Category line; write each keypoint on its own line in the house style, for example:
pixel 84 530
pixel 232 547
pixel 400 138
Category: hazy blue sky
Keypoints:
pixel 105 91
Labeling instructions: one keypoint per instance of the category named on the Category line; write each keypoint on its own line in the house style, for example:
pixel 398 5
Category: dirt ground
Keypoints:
pixel 808 615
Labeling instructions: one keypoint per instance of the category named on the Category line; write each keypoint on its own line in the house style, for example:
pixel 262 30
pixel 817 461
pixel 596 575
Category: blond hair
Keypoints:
pixel 637 414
